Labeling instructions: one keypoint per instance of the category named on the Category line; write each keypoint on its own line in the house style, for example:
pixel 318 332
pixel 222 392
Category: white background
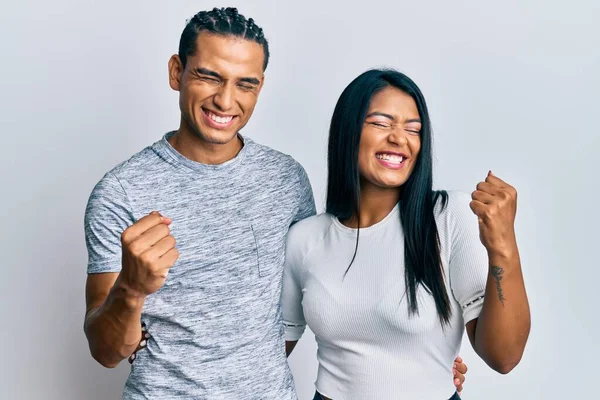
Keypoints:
pixel 512 86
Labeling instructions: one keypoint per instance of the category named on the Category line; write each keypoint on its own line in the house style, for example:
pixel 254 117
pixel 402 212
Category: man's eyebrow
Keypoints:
pixel 205 71
pixel 252 81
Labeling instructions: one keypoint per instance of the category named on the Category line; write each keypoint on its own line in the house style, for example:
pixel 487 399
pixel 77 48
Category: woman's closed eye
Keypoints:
pixel 380 124
pixel 413 127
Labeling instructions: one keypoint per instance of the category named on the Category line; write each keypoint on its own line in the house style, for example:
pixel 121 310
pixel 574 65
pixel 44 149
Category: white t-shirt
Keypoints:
pixel 369 346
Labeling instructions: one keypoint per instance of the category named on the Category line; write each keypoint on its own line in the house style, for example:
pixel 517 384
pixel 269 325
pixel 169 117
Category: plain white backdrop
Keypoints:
pixel 512 86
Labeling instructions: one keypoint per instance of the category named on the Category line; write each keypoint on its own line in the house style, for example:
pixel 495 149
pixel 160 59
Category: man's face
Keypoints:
pixel 219 86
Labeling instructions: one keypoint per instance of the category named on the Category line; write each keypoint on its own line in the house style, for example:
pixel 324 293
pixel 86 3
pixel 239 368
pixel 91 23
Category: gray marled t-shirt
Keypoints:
pixel 216 324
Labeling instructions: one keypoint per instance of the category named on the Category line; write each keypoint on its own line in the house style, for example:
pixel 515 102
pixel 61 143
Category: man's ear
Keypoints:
pixel 175 72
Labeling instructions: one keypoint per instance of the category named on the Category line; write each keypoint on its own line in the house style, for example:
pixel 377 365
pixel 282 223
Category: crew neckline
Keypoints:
pixel 165 148
pixel 375 227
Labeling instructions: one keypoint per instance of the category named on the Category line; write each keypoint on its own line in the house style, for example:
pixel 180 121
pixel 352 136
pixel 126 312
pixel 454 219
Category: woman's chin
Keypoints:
pixel 388 184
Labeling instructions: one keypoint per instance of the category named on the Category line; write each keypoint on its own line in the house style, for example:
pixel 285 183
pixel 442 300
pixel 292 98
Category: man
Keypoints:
pixel 187 237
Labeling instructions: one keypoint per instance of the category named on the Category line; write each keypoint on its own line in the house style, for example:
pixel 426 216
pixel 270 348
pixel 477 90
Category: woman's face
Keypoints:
pixel 391 139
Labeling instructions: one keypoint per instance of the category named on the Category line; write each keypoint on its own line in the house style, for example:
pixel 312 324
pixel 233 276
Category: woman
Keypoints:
pixel 389 277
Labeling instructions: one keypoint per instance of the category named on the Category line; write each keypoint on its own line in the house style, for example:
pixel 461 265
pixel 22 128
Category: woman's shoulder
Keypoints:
pixel 310 227
pixel 453 207
pixel 450 201
pixel 304 235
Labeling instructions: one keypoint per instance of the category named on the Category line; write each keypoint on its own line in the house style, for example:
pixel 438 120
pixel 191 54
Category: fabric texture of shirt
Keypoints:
pixel 216 324
pixel 369 345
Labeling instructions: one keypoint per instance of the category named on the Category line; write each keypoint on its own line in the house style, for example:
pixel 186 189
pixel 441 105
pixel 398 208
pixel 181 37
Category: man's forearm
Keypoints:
pixel 113 330
pixel 504 323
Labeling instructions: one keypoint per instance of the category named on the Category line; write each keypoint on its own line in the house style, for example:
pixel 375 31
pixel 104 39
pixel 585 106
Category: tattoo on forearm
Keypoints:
pixel 497 273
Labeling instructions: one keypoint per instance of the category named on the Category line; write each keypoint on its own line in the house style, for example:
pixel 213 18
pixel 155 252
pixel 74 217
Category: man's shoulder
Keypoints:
pixel 141 165
pixel 277 167
pixel 267 155
pixel 138 164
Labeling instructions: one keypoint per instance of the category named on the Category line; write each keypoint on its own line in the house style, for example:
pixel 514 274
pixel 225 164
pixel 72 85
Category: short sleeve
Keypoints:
pixel 291 294
pixel 107 215
pixel 306 200
pixel 468 261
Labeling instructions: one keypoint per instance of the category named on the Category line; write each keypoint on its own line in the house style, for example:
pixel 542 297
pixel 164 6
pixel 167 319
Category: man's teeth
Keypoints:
pixel 391 158
pixel 220 120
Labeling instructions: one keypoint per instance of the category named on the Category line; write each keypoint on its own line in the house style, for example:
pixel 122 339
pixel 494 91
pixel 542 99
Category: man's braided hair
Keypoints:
pixel 221 21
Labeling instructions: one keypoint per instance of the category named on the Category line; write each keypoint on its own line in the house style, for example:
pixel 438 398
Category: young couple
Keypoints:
pixel 189 240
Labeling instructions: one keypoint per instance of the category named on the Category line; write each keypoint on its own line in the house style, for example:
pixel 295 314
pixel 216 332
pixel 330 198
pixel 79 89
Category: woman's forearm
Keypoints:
pixel 289 347
pixel 502 329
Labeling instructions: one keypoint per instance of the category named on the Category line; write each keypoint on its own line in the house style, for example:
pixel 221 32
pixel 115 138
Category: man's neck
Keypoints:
pixel 196 149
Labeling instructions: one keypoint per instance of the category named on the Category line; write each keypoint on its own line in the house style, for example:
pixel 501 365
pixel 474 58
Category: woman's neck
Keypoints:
pixel 375 204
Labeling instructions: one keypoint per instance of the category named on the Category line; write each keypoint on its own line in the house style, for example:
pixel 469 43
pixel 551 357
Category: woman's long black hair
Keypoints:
pixel 423 265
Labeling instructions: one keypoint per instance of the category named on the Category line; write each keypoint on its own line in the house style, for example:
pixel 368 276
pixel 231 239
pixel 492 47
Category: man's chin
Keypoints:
pixel 217 137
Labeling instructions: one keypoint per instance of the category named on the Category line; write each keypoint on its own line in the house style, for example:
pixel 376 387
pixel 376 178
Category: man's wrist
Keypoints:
pixel 132 299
